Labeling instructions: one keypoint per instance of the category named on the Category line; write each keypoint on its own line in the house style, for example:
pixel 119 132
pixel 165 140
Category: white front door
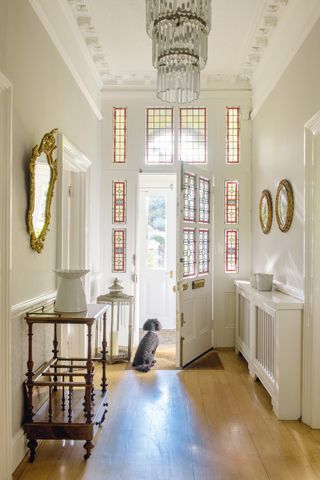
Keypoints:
pixel 157 245
pixel 194 271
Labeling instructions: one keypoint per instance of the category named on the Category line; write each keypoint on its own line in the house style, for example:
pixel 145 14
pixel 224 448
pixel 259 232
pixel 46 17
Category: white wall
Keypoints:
pixel 215 103
pixel 278 152
pixel 44 96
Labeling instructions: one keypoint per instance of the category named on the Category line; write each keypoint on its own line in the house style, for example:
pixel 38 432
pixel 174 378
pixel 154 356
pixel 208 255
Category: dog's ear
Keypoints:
pixel 158 325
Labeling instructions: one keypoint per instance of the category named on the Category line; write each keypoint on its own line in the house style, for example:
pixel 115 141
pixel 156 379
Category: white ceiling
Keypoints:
pixel 115 35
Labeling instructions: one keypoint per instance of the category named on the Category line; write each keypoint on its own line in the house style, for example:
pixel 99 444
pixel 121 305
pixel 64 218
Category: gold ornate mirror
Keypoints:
pixel 284 205
pixel 265 211
pixel 43 174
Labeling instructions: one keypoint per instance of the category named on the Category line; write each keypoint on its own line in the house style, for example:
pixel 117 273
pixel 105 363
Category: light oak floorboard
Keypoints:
pixel 186 425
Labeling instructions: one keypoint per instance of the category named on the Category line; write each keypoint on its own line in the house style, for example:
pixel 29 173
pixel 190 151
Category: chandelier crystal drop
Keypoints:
pixel 179 31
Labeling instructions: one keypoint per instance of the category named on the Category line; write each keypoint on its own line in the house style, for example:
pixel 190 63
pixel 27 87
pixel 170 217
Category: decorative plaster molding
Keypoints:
pixel 46 22
pixel 93 45
pixel 21 308
pixel 295 23
pixel 269 20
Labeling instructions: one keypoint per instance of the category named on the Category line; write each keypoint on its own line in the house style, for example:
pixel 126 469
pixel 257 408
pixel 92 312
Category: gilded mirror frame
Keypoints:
pixel 47 147
pixel 284 219
pixel 265 211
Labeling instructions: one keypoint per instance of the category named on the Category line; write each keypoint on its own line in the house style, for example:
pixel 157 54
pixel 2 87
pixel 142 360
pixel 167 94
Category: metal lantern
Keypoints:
pixel 119 323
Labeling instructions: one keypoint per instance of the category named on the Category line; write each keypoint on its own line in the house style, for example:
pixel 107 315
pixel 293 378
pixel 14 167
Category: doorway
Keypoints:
pixel 157 260
pixel 72 237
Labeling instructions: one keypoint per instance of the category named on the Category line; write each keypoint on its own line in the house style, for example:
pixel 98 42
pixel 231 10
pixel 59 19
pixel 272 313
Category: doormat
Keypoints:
pixel 208 361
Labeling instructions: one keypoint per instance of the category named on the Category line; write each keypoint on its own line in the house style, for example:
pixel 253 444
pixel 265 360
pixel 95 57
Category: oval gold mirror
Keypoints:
pixel 265 211
pixel 43 175
pixel 284 205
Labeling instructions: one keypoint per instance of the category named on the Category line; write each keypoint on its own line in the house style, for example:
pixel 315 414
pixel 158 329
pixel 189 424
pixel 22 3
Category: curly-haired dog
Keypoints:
pixel 144 357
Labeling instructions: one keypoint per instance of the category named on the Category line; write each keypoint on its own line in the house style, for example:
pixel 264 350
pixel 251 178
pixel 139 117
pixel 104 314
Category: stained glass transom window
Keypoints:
pixel 118 250
pixel 233 134
pixel 119 201
pixel 231 248
pixel 159 135
pixel 189 252
pixel 193 135
pixel 204 200
pixel 189 211
pixel 119 135
pixel 203 251
pixel 231 206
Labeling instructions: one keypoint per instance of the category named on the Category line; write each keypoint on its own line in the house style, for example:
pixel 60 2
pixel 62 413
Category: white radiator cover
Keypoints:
pixel 269 336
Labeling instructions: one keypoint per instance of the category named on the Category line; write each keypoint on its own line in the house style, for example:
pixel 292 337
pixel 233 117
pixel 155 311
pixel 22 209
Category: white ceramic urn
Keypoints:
pixel 70 295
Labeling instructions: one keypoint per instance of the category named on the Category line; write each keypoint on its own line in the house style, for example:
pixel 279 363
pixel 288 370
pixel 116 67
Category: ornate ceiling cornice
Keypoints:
pixel 83 18
pixel 269 21
pixel 81 12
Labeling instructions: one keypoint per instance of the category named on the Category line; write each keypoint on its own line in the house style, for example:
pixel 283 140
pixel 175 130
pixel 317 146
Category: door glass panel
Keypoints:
pixel 156 232
pixel 204 200
pixel 189 210
pixel 203 256
pixel 189 252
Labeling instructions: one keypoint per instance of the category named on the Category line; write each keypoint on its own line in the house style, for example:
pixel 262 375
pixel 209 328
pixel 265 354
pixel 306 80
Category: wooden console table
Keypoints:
pixel 70 407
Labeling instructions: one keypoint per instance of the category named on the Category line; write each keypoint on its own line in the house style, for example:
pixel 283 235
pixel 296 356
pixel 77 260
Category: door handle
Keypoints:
pixel 180 287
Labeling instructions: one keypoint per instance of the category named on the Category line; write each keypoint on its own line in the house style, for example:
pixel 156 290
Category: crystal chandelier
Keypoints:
pixel 179 31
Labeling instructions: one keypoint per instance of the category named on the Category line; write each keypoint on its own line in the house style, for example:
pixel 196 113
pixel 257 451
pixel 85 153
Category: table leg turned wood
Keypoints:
pixel 104 353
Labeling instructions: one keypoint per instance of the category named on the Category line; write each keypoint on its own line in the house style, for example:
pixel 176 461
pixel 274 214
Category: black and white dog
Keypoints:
pixel 144 357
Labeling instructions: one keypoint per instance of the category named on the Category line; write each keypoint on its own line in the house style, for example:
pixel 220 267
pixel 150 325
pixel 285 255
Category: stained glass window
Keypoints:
pixel 118 250
pixel 189 252
pixel 193 135
pixel 203 251
pixel 204 200
pixel 189 212
pixel 119 135
pixel 231 198
pixel 233 134
pixel 231 248
pixel 159 135
pixel 119 201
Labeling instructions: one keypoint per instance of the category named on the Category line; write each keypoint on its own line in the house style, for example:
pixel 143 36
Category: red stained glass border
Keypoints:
pixel 189 197
pixel 189 239
pixel 204 252
pixel 231 198
pixel 231 246
pixel 232 135
pixel 119 250
pixel 119 134
pixel 164 152
pixel 119 201
pixel 204 200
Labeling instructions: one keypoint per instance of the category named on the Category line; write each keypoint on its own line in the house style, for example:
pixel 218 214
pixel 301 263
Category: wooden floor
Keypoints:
pixel 186 425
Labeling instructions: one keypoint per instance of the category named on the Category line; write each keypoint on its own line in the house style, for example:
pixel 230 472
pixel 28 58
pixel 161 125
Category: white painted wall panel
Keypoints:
pixel 278 152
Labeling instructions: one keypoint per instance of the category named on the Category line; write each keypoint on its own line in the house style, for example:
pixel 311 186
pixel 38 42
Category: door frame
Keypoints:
pixel 71 158
pixel 173 173
pixel 311 324
pixel 5 266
